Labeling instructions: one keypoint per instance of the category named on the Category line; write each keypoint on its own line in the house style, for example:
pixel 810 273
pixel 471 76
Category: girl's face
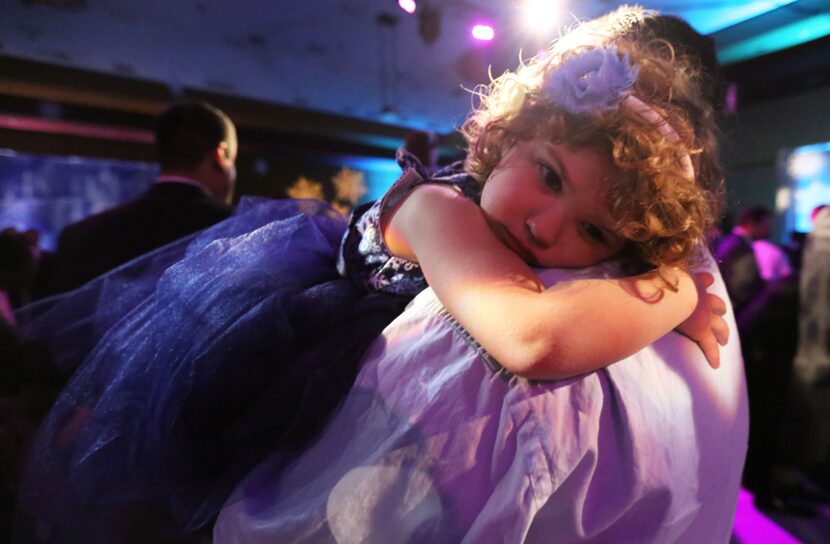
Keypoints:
pixel 548 203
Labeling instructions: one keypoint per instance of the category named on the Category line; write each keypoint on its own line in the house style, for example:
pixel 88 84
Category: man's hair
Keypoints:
pixel 687 42
pixel 753 215
pixel 187 132
pixel 661 212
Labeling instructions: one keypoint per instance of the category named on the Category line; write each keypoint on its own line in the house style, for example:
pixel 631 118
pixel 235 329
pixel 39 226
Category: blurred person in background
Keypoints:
pixel 766 314
pixel 196 146
pixel 811 376
pixel 424 146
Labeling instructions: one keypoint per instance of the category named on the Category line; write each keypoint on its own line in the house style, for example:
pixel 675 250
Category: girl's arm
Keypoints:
pixel 569 329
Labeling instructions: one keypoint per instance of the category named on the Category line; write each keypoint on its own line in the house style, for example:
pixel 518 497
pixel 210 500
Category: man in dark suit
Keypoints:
pixel 196 146
pixel 736 259
pixel 766 315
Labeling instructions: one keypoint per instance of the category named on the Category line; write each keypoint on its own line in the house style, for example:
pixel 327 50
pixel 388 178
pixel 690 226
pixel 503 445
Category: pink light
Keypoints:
pixel 72 128
pixel 483 32
pixel 407 5
pixel 753 526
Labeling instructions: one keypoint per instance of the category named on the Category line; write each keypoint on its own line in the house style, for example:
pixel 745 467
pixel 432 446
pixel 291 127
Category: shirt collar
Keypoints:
pixel 183 180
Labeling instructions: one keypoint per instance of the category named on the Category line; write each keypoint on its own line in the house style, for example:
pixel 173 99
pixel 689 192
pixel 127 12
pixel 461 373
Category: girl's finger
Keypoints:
pixel 717 304
pixel 721 330
pixel 711 351
pixel 704 278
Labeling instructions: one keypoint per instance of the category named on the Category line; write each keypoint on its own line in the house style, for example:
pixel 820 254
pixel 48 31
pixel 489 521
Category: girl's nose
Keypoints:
pixel 545 226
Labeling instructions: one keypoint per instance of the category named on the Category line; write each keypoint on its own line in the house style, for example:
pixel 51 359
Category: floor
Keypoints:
pixel 755 527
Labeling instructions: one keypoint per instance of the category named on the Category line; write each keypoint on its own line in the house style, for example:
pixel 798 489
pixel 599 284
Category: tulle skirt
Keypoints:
pixel 193 362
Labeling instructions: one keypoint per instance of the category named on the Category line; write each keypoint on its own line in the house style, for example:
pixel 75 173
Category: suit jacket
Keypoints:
pixel 164 213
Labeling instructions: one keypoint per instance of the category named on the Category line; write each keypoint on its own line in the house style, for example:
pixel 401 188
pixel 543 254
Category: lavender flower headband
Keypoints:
pixel 599 80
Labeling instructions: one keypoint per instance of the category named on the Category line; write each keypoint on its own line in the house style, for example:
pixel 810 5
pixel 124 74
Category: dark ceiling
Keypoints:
pixel 362 59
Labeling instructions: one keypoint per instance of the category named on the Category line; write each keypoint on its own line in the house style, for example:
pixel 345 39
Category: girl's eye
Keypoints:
pixel 552 179
pixel 595 232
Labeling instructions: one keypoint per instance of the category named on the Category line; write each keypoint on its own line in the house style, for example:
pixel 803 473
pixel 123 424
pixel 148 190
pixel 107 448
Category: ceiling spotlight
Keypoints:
pixel 483 32
pixel 541 15
pixel 407 5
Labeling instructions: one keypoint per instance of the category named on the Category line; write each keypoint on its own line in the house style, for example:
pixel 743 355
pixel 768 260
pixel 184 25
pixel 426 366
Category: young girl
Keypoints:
pixel 245 341
pixel 576 169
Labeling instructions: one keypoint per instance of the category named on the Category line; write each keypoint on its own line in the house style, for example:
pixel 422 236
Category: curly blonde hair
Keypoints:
pixel 660 210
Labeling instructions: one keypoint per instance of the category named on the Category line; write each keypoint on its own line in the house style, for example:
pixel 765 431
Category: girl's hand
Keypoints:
pixel 706 325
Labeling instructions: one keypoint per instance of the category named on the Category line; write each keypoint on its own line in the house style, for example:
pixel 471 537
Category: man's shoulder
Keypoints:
pixel 732 244
pixel 660 408
pixel 101 221
pixel 182 201
pixel 186 198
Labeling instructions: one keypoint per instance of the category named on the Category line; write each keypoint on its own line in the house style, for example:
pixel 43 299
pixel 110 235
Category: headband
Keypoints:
pixel 598 80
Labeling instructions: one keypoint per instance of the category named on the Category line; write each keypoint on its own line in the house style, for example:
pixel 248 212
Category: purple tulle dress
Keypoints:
pixel 193 362
pixel 197 360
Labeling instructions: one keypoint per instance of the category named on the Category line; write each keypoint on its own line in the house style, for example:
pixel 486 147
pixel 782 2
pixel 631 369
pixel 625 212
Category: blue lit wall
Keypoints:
pixel 805 184
pixel 46 193
pixel 380 174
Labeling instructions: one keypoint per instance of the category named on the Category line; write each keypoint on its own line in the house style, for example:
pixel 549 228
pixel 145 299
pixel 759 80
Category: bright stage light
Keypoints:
pixel 483 32
pixel 541 15
pixel 407 5
pixel 783 199
pixel 804 165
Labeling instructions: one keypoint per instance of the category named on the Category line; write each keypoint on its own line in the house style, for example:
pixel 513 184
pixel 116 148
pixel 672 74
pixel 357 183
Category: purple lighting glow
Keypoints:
pixel 483 32
pixel 407 5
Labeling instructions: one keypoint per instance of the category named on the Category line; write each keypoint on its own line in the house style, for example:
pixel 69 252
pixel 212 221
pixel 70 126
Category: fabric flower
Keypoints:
pixel 594 80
